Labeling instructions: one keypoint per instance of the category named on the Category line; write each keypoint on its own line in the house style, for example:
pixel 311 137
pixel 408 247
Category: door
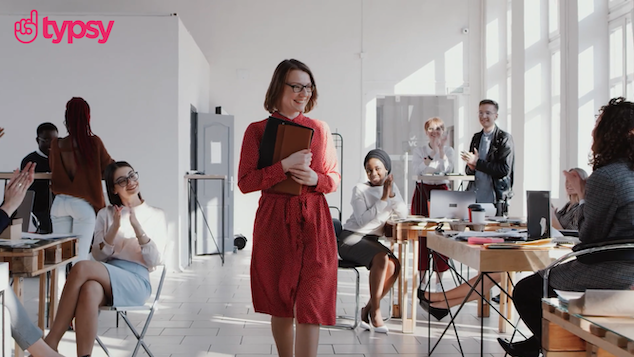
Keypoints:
pixel 215 157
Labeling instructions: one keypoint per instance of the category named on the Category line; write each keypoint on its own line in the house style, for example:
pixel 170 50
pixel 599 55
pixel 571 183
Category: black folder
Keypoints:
pixel 282 138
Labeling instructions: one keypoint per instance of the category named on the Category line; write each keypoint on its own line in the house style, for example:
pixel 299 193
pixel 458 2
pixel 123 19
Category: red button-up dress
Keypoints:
pixel 294 258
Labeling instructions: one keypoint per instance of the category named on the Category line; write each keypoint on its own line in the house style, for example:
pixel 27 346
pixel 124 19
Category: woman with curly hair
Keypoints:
pixel 606 202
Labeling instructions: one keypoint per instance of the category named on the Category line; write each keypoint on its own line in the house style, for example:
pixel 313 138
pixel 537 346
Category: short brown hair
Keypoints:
pixel 614 134
pixel 278 81
pixel 434 120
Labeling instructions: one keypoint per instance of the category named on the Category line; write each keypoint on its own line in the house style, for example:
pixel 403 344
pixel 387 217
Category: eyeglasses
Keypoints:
pixel 298 87
pixel 123 182
pixel 44 140
pixel 438 128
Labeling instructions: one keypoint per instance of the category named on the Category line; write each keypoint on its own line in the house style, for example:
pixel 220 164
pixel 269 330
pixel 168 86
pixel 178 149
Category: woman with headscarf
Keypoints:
pixel 372 204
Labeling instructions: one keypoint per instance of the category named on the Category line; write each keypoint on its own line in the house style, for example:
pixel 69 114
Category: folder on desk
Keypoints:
pixel 282 138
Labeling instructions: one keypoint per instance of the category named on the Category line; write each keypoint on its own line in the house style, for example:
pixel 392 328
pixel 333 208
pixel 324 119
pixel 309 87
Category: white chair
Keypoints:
pixel 149 307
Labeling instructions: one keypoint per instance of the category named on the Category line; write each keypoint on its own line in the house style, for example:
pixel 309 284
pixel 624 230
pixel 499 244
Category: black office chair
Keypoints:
pixel 344 264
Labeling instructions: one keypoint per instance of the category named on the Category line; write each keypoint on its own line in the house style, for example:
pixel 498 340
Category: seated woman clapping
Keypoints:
pixel 372 204
pixel 128 243
pixel 568 216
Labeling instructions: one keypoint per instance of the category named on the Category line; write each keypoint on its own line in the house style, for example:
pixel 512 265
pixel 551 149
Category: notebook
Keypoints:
pixel 450 204
pixel 538 218
pixel 280 139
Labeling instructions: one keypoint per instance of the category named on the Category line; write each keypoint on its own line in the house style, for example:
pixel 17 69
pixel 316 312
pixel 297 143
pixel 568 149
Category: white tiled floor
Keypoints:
pixel 207 311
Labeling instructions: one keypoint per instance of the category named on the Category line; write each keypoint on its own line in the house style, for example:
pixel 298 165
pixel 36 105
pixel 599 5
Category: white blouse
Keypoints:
pixel 126 245
pixel 369 212
pixel 437 165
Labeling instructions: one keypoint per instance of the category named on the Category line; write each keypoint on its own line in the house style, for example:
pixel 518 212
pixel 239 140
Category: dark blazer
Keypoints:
pixel 499 163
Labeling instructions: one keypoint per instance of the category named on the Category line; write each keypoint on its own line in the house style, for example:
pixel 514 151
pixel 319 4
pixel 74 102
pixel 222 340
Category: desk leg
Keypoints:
pixel 41 305
pixel 396 308
pixel 415 280
pixel 509 304
pixel 17 289
pixel 52 307
pixel 503 302
pixel 407 322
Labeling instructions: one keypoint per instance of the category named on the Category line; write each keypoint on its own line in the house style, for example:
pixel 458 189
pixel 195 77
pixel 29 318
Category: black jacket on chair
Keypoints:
pixel 498 164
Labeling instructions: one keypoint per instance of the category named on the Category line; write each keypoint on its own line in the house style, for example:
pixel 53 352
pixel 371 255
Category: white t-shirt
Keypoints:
pixel 437 165
pixel 369 212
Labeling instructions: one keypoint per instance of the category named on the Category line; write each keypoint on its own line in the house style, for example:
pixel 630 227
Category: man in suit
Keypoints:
pixel 491 159
pixel 46 132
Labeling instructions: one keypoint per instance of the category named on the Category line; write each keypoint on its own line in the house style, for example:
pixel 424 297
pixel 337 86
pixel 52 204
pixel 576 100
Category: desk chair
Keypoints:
pixel 150 308
pixel 348 265
pixel 344 264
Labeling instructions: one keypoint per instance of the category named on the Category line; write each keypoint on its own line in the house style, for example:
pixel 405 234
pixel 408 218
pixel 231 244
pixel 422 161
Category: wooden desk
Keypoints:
pixel 577 335
pixel 37 176
pixel 37 260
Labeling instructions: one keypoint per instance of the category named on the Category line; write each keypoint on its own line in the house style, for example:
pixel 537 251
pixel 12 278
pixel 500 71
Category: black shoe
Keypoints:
pixel 496 299
pixel 526 348
pixel 436 312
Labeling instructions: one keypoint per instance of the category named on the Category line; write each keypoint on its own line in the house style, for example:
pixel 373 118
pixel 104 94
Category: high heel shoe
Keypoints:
pixel 380 329
pixel 364 325
pixel 526 348
pixel 437 312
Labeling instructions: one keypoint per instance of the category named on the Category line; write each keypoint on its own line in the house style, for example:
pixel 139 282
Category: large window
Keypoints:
pixel 621 58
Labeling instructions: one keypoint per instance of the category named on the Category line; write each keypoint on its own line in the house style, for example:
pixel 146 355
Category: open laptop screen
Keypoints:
pixel 538 218
pixel 450 204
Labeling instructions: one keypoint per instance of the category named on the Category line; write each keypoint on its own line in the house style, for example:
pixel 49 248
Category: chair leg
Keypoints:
pixel 141 335
pixel 105 349
pixel 357 314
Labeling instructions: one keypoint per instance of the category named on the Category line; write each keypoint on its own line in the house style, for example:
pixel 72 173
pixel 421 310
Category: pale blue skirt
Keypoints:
pixel 130 282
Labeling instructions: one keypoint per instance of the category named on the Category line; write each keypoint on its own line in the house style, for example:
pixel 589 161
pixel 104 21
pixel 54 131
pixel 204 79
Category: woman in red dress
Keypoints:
pixel 294 258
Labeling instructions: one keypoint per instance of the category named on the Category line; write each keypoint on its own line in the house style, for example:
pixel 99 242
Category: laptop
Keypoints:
pixel 450 204
pixel 538 218
pixel 25 209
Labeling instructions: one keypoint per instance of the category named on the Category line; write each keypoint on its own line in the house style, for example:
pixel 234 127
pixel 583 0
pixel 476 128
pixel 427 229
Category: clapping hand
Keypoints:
pixel 116 216
pixel 1 132
pixel 470 158
pixel 388 192
pixel 578 184
pixel 15 191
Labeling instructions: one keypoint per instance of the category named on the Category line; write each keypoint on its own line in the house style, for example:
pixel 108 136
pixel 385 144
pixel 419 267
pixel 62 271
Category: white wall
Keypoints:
pixel 400 38
pixel 193 89
pixel 130 82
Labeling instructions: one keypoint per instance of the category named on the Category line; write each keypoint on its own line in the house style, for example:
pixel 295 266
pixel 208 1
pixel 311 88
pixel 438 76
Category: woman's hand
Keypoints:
pixel 388 192
pixel 116 216
pixel 304 175
pixel 138 230
pixel 578 185
pixel 1 132
pixel 298 159
pixel 15 191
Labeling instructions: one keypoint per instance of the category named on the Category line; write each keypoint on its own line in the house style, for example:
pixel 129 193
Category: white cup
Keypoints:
pixel 477 217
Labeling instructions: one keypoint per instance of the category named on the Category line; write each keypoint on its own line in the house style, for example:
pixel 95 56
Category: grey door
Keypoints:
pixel 215 157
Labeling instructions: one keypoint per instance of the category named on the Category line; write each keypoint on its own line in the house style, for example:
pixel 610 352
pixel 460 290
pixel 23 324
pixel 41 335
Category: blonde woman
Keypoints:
pixel 568 216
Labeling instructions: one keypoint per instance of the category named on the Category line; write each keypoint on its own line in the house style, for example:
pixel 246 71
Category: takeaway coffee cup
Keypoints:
pixel 476 213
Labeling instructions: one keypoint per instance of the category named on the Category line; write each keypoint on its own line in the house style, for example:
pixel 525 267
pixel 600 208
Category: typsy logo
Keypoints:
pixel 26 30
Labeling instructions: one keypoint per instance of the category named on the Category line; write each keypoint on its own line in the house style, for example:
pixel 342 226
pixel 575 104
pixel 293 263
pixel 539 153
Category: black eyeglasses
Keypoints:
pixel 298 87
pixel 44 140
pixel 123 181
